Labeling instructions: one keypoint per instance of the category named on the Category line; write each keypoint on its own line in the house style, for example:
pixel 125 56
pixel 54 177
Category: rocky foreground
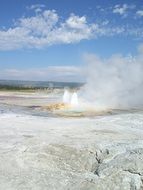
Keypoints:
pixel 57 153
pixel 42 153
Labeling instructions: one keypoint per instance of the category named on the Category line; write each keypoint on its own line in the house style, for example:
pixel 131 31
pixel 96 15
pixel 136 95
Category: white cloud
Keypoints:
pixel 39 25
pixel 123 10
pixel 46 28
pixel 139 13
pixel 120 9
pixel 51 73
pixel 76 22
pixel 36 7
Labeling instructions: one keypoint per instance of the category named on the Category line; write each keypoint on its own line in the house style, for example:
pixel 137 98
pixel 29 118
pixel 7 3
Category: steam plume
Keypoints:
pixel 116 82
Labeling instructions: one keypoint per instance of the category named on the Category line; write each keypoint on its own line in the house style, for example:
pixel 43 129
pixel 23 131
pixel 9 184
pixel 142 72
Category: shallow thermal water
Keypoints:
pixel 40 151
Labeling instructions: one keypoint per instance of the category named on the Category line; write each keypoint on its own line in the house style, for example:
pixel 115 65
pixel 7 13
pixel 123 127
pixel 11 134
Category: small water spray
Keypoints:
pixel 70 99
pixel 74 100
pixel 66 97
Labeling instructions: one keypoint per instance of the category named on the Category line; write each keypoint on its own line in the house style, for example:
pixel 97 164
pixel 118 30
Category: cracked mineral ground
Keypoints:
pixel 42 151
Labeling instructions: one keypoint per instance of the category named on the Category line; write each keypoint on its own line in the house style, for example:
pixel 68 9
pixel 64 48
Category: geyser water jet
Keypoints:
pixel 66 97
pixel 70 99
pixel 74 100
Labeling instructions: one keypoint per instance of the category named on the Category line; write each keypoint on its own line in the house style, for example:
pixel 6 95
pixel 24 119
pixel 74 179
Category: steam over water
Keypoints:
pixel 114 83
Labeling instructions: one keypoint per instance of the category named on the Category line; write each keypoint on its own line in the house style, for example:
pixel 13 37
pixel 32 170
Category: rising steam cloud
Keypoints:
pixel 116 82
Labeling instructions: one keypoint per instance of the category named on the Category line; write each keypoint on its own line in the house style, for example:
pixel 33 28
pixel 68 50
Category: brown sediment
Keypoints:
pixel 65 110
pixel 57 106
pixel 82 113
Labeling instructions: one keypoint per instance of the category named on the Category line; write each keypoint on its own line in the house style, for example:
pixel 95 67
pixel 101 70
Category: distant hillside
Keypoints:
pixel 16 84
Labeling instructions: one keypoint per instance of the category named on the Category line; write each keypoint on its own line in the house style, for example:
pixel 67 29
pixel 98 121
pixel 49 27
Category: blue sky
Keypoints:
pixel 47 39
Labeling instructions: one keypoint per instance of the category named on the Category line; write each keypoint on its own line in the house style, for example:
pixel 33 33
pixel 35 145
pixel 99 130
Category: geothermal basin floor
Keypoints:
pixel 56 153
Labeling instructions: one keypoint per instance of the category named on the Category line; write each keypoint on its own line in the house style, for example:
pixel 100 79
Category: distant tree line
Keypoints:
pixel 9 87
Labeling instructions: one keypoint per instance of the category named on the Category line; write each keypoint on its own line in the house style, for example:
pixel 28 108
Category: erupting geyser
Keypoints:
pixel 70 99
pixel 66 97
pixel 74 99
